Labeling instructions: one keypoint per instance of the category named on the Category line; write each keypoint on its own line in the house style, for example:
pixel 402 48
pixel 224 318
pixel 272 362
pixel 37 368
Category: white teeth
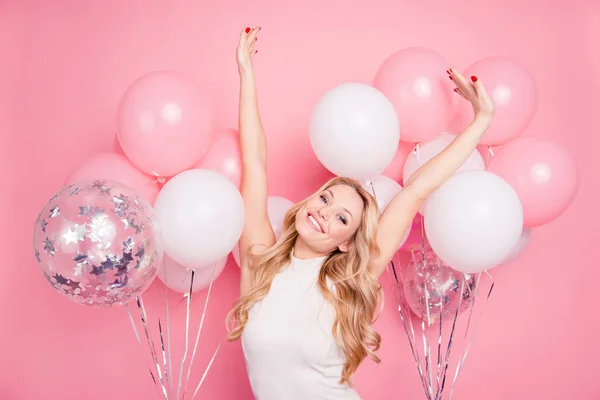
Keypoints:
pixel 315 223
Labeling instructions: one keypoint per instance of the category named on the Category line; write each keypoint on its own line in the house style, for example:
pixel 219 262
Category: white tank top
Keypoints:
pixel 288 343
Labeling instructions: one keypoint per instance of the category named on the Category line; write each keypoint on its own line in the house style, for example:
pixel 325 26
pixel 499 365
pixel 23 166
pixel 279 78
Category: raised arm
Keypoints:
pixel 257 233
pixel 398 215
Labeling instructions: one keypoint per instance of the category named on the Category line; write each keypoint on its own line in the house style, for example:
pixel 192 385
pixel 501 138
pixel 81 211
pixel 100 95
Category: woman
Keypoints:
pixel 308 300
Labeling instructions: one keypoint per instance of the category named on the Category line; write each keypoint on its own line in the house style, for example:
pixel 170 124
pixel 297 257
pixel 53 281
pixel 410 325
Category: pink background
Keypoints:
pixel 65 64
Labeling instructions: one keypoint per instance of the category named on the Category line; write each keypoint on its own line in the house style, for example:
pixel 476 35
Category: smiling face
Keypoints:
pixel 330 218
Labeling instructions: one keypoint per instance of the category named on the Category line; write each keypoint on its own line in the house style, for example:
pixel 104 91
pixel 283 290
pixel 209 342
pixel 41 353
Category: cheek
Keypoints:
pixel 340 231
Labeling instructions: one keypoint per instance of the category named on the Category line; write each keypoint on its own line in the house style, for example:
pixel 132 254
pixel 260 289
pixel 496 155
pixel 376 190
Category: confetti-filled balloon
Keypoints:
pixel 98 243
pixel 428 282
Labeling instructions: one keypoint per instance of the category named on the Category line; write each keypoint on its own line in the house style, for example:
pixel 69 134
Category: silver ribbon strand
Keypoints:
pixel 464 357
pixel 199 331
pixel 187 333
pixel 144 318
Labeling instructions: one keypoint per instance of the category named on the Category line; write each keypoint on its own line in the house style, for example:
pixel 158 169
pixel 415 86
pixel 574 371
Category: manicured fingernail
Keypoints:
pixel 447 71
pixel 450 77
pixel 474 78
pixel 247 30
pixel 456 90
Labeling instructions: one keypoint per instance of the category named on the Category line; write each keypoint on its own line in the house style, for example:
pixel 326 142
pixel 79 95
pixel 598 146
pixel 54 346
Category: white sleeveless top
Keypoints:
pixel 288 343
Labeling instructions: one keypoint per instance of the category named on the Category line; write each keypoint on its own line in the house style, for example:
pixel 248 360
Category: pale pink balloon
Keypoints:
pixel 542 173
pixel 416 82
pixel 224 156
pixel 116 167
pixel 428 150
pixel 520 247
pixel 165 123
pixel 514 93
pixel 178 278
pixel 396 167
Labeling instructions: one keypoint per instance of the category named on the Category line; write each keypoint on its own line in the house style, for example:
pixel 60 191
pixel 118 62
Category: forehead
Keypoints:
pixel 348 197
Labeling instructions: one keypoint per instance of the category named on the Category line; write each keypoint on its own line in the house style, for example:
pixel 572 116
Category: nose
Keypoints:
pixel 324 213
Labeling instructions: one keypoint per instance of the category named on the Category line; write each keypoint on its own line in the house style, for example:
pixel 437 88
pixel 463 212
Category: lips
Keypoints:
pixel 312 221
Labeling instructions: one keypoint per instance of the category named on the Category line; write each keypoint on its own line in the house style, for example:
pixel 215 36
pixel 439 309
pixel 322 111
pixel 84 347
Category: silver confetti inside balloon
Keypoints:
pixel 427 281
pixel 98 243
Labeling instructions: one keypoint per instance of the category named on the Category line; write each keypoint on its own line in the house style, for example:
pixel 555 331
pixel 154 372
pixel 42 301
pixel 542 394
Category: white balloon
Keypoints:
pixel 427 150
pixel 202 215
pixel 178 278
pixel 384 189
pixel 521 245
pixel 276 209
pixel 354 131
pixel 473 221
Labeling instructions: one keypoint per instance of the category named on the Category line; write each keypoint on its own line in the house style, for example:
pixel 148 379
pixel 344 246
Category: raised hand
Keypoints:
pixel 474 92
pixel 246 48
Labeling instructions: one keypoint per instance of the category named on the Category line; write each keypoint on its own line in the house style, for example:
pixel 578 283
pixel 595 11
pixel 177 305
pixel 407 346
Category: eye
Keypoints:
pixel 342 219
pixel 323 199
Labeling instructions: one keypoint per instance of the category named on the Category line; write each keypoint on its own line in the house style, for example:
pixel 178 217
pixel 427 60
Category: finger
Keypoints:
pixel 461 82
pixel 245 32
pixel 478 86
pixel 460 93
pixel 252 48
pixel 252 34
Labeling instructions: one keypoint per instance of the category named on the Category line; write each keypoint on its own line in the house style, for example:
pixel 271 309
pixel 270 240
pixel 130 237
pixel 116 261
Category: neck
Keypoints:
pixel 303 251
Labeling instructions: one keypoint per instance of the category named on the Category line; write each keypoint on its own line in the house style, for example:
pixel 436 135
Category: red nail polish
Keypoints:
pixel 456 90
pixel 447 71
pixel 247 30
pixel 474 78
pixel 450 78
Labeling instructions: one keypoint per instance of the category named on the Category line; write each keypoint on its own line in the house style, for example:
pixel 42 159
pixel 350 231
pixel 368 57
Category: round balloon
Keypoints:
pixel 416 83
pixel 434 291
pixel 514 93
pixel 384 189
pixel 98 242
pixel 202 215
pixel 117 168
pixel 543 174
pixel 354 131
pixel 521 245
pixel 395 169
pixel 224 156
pixel 276 208
pixel 426 151
pixel 165 123
pixel 178 278
pixel 473 221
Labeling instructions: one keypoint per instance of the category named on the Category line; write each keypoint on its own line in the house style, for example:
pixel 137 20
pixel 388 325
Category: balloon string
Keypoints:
pixel 464 357
pixel 168 329
pixel 143 317
pixel 137 336
pixel 439 348
pixel 449 345
pixel 490 154
pixel 212 359
pixel 164 354
pixel 403 318
pixel 199 331
pixel 187 333
pixel 135 331
pixel 425 333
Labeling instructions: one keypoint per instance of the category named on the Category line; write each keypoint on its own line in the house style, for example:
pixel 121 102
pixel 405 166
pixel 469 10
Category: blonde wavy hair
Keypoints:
pixel 357 292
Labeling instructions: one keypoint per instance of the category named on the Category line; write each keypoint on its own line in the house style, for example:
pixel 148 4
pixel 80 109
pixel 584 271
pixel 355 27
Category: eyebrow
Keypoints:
pixel 333 197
